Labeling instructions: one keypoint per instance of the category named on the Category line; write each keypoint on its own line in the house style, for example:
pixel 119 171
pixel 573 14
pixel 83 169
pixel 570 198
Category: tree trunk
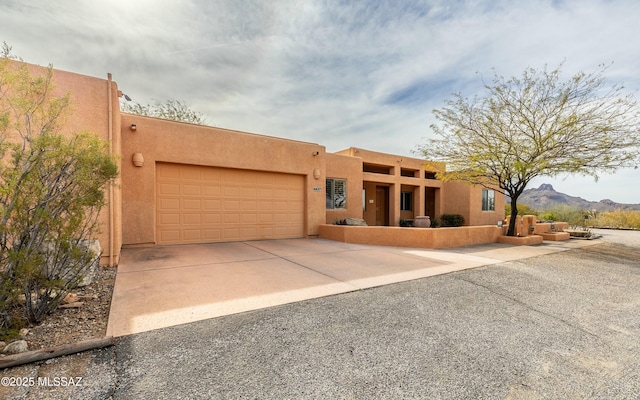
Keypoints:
pixel 57 351
pixel 514 214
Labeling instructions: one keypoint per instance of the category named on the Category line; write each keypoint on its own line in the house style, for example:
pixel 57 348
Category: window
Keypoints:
pixel 406 201
pixel 336 194
pixel 488 200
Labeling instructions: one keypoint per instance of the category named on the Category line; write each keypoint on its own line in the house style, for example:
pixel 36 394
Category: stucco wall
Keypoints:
pixel 349 168
pixel 168 141
pixel 90 112
pixel 466 200
pixel 456 200
pixel 396 181
pixel 440 238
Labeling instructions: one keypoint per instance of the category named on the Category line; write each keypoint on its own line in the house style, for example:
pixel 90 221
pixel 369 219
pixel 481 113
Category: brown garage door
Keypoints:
pixel 196 204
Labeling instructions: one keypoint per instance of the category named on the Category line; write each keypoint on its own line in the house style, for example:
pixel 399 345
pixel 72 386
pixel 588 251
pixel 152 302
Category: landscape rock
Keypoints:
pixel 355 222
pixel 19 346
pixel 70 298
pixel 24 332
pixel 92 270
pixel 76 304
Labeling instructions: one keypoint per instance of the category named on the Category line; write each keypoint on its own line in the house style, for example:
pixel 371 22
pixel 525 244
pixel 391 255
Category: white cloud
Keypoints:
pixel 337 73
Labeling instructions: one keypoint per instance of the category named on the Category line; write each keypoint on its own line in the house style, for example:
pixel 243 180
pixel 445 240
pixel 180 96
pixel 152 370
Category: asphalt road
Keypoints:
pixel 561 326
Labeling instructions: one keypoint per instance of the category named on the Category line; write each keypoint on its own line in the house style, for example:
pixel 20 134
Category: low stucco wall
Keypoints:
pixel 439 238
pixel 545 227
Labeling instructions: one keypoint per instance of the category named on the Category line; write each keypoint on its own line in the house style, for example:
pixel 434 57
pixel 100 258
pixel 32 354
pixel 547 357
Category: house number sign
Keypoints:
pixel 317 189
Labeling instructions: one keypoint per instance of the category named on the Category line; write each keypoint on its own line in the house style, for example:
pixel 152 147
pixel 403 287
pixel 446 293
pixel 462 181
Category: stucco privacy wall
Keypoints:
pixel 174 142
pixel 440 238
pixel 466 200
pixel 350 169
pixel 94 108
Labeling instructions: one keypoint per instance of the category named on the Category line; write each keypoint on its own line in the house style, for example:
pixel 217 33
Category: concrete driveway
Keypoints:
pixel 564 325
pixel 157 287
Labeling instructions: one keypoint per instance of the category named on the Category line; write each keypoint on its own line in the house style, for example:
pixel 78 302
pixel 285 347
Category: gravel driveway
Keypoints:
pixel 565 325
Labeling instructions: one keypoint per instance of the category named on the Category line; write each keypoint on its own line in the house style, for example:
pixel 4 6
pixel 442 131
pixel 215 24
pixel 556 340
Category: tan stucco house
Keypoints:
pixel 183 183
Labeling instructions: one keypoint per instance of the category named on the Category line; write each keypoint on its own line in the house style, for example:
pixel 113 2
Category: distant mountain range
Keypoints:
pixel 546 197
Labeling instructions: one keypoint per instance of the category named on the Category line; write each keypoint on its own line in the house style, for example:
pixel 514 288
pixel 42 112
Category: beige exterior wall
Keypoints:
pixel 94 108
pixel 173 142
pixel 130 217
pixel 441 238
pixel 348 168
pixel 390 173
pixel 466 200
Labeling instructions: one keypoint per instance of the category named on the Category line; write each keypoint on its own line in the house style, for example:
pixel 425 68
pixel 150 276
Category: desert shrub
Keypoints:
pixel 51 192
pixel 625 219
pixel 449 220
pixel 566 213
pixel 406 222
pixel 548 216
pixel 523 209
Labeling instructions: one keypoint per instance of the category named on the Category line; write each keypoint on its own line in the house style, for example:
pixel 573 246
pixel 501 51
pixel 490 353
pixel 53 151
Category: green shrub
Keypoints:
pixel 523 209
pixel 406 222
pixel 51 192
pixel 449 220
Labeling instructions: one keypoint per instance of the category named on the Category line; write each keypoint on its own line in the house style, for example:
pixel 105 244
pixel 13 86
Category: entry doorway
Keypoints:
pixel 382 205
pixel 430 195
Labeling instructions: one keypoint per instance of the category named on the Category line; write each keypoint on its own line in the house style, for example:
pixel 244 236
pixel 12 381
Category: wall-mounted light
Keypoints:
pixel 134 127
pixel 137 159
pixel 315 153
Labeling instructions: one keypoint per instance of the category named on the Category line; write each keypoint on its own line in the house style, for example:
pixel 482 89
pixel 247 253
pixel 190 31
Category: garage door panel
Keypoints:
pixel 208 204
pixel 191 190
pixel 211 219
pixel 191 219
pixel 231 206
pixel 170 219
pixel 212 205
pixel 167 171
pixel 231 218
pixel 190 172
pixel 169 204
pixel 191 235
pixel 248 206
pixel 169 236
pixel 169 189
pixel 212 191
pixel 191 204
pixel 213 235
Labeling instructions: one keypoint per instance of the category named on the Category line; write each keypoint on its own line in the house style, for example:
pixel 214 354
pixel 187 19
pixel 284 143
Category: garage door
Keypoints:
pixel 196 204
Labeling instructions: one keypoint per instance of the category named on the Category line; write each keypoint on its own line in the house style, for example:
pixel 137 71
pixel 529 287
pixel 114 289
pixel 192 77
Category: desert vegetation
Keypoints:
pixel 618 219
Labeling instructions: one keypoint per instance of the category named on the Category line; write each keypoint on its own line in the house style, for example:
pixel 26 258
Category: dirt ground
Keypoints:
pixel 70 325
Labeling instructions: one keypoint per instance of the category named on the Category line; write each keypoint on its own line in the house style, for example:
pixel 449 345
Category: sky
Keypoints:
pixel 341 74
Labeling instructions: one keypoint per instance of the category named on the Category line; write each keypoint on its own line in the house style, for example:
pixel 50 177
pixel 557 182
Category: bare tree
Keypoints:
pixel 171 109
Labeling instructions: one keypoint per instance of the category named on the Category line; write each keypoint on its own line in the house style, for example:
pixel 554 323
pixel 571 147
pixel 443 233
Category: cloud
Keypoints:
pixel 338 73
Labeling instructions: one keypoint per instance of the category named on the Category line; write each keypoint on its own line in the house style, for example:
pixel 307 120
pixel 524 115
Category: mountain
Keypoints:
pixel 546 197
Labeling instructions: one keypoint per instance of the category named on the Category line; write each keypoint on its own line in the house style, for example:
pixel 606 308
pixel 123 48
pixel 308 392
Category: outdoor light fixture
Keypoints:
pixel 137 159
pixel 133 127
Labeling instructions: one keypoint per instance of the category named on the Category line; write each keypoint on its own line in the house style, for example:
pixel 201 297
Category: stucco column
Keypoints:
pixel 418 201
pixel 394 205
